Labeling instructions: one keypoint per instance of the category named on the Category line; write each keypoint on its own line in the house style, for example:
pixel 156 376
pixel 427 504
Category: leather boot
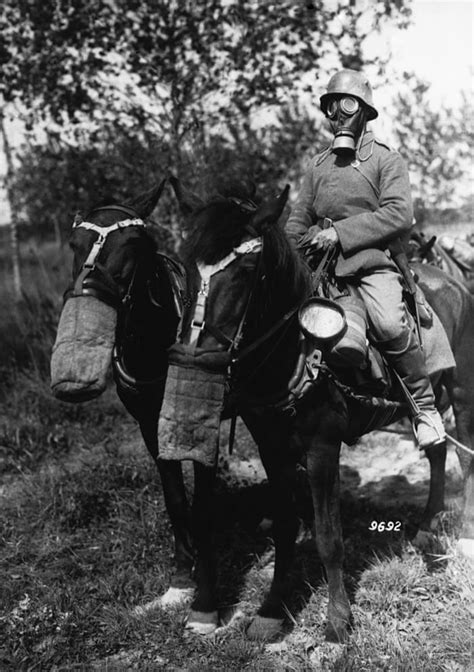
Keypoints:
pixel 406 357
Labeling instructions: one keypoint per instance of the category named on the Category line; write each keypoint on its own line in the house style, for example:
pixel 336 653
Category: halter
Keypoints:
pixel 85 284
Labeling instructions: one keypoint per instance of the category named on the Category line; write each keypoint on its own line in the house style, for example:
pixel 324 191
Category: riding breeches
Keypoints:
pixel 393 329
pixel 381 292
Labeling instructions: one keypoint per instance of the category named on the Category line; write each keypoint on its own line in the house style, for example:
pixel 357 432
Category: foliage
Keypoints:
pixel 436 142
pixel 115 91
pixel 55 181
pixel 174 64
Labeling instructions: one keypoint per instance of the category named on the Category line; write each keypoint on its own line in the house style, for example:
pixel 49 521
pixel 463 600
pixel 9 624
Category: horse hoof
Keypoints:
pixel 176 597
pixel 202 622
pixel 423 540
pixel 264 629
pixel 465 547
pixel 147 608
pixel 336 633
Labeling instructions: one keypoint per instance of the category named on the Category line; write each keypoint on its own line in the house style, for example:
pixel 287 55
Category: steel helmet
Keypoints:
pixel 350 83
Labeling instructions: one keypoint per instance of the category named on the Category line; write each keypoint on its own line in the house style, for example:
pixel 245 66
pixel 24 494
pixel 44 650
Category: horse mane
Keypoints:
pixel 286 275
pixel 220 226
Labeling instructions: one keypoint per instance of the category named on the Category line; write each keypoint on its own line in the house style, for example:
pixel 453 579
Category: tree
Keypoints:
pixel 436 142
pixel 13 203
pixel 167 66
pixel 191 77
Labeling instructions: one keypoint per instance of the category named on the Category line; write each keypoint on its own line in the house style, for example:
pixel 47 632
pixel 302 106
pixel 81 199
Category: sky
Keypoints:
pixel 439 46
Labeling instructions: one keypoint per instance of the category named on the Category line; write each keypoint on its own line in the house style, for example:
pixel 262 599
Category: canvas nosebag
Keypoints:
pixel 82 352
pixel 192 407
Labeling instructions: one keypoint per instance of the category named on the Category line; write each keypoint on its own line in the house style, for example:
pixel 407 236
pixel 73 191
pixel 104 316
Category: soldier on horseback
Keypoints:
pixel 355 197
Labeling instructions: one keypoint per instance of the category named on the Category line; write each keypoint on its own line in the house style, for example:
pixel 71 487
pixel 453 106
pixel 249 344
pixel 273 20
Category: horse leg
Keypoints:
pixel 437 458
pixel 462 397
pixel 323 473
pixel 466 538
pixel 203 618
pixel 181 585
pixel 272 437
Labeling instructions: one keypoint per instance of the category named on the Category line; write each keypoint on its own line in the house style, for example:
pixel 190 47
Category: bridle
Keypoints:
pixel 199 324
pixel 206 272
pixel 93 278
pixel 104 288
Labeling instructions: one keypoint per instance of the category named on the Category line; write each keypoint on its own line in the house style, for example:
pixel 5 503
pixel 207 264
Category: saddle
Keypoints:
pixel 353 358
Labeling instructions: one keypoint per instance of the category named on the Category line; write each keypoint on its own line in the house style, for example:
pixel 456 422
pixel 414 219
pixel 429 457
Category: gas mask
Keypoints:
pixel 347 117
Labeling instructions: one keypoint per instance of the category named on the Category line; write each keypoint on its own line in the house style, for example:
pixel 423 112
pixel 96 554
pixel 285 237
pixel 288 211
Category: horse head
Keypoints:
pixel 116 277
pixel 243 277
pixel 227 256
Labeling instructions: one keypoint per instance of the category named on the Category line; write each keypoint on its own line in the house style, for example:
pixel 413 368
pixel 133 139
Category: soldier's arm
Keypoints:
pixel 393 216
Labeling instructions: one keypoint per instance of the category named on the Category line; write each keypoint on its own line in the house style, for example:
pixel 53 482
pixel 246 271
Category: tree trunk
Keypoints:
pixel 15 248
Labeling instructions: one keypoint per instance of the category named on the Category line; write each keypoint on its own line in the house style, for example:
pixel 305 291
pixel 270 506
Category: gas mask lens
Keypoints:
pixel 348 105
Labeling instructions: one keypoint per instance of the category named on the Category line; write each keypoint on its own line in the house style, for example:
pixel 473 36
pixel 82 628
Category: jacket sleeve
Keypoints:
pixel 302 214
pixel 393 216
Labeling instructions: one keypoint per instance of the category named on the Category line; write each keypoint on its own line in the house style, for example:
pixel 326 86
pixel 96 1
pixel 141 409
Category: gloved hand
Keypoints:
pixel 325 239
pixel 319 239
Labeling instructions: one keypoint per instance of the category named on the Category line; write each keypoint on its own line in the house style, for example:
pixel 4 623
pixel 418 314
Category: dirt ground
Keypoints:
pixel 384 467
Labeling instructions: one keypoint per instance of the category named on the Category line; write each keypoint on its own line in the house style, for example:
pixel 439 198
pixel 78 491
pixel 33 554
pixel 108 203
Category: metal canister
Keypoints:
pixel 351 349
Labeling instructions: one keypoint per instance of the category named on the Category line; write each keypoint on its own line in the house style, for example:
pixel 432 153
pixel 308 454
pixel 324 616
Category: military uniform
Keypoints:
pixel 368 198
pixel 361 188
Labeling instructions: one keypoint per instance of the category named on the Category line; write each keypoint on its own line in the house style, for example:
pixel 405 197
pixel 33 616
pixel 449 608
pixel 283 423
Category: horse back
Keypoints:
pixel 452 302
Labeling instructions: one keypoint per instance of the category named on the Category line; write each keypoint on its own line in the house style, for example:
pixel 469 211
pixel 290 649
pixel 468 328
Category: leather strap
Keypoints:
pixel 206 271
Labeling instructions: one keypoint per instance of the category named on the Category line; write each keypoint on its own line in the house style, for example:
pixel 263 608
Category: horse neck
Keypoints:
pixel 147 330
pixel 273 363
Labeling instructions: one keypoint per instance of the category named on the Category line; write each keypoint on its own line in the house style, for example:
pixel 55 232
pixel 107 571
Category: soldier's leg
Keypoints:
pixel 381 292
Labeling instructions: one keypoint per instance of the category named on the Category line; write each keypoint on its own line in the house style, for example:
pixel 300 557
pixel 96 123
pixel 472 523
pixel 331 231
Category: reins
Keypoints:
pixel 315 280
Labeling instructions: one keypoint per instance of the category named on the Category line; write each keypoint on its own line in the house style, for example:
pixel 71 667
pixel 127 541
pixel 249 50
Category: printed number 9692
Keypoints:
pixel 385 526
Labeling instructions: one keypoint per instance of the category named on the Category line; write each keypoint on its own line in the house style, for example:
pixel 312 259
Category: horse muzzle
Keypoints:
pixel 82 352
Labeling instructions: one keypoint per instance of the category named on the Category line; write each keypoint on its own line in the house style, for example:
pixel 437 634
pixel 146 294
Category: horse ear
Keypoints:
pixel 188 200
pixel 77 220
pixel 145 203
pixel 270 211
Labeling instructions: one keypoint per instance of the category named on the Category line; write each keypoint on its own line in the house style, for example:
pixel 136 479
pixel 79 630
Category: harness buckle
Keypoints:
pixel 248 246
pixel 198 325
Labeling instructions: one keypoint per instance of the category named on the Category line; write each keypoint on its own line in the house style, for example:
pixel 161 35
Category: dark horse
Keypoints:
pixel 123 307
pixel 245 283
pixel 429 251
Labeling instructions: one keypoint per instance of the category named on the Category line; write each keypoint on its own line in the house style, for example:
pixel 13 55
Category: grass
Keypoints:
pixel 85 538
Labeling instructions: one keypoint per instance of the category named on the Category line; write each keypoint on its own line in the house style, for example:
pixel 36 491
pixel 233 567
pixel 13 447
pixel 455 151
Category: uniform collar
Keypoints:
pixel 365 145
